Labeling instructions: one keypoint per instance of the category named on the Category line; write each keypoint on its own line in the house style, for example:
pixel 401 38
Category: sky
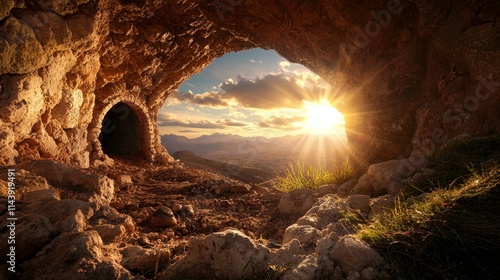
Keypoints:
pixel 251 93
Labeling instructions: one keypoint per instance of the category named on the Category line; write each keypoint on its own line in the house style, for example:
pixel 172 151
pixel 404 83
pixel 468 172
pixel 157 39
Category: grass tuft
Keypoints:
pixel 304 175
pixel 453 233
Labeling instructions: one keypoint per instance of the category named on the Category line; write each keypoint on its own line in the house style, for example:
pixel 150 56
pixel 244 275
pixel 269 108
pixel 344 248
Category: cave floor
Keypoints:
pixel 253 212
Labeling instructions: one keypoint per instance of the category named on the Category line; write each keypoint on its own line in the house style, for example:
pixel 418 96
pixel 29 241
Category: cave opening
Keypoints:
pixel 121 131
pixel 256 97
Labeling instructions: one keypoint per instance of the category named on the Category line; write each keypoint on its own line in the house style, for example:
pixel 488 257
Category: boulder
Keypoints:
pixel 25 182
pixel 296 202
pixel 110 216
pixel 330 210
pixel 223 255
pixel 386 177
pixel 307 235
pixel 78 180
pixel 137 258
pixel 75 255
pixel 346 188
pixel 66 215
pixel 163 217
pixel 309 219
pixel 41 195
pixel 361 202
pixel 290 253
pixel 32 232
pixel 187 210
pixel 353 254
pixel 363 186
pixel 305 270
pixel 110 233
pixel 22 52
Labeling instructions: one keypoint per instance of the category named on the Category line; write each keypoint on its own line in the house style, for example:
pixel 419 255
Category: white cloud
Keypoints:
pixel 284 64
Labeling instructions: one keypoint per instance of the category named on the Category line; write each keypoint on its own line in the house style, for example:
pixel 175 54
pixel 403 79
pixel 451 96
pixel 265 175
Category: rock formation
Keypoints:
pixel 410 74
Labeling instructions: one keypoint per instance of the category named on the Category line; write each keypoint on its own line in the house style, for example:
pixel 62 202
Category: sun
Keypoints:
pixel 322 118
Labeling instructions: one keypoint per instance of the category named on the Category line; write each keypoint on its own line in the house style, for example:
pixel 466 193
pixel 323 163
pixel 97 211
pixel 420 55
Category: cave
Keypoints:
pixel 120 132
pixel 401 68
pixel 409 76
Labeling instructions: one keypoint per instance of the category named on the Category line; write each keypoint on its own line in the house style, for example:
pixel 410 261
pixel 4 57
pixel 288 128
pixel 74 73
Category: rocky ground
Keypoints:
pixel 128 219
pixel 171 204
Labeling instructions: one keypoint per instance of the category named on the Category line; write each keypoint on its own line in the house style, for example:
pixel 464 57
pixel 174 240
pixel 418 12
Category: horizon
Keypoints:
pixel 257 136
pixel 252 93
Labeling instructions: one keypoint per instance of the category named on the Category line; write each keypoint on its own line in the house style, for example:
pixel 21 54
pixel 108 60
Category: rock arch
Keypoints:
pixel 411 73
pixel 125 112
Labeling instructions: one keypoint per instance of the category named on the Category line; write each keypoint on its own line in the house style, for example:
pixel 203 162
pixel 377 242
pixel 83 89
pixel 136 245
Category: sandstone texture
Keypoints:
pixel 224 254
pixel 410 74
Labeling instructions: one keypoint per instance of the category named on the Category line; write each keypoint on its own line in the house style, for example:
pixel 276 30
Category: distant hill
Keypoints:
pixel 300 147
pixel 254 159
pixel 244 174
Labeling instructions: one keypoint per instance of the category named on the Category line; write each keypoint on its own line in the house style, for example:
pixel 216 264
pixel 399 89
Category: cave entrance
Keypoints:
pixel 121 132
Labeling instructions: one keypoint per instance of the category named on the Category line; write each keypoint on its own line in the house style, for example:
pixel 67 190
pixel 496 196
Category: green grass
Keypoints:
pixel 304 175
pixel 453 233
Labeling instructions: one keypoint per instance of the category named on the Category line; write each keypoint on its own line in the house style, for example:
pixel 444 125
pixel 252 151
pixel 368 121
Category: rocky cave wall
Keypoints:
pixel 410 74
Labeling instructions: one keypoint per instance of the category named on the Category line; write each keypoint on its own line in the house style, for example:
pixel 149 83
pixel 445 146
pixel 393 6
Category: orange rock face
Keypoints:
pixel 410 74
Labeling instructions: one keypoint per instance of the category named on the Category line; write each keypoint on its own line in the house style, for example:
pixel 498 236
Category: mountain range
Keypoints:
pixel 241 150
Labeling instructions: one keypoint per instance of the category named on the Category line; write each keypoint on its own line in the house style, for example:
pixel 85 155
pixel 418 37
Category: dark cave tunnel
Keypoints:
pixel 120 133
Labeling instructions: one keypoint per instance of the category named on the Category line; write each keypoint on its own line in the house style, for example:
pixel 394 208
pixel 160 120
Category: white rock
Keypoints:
pixel 305 270
pixel 307 235
pixel 354 254
pixel 227 254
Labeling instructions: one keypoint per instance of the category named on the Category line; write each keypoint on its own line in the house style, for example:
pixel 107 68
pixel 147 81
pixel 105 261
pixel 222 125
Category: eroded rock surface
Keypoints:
pixel 409 74
pixel 80 255
pixel 224 254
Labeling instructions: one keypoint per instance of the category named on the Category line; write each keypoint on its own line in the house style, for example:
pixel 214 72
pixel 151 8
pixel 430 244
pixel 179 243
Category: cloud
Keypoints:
pixel 282 122
pixel 229 122
pixel 252 60
pixel 284 64
pixel 198 124
pixel 166 116
pixel 287 89
pixel 269 92
pixel 169 119
pixel 188 131
pixel 210 99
